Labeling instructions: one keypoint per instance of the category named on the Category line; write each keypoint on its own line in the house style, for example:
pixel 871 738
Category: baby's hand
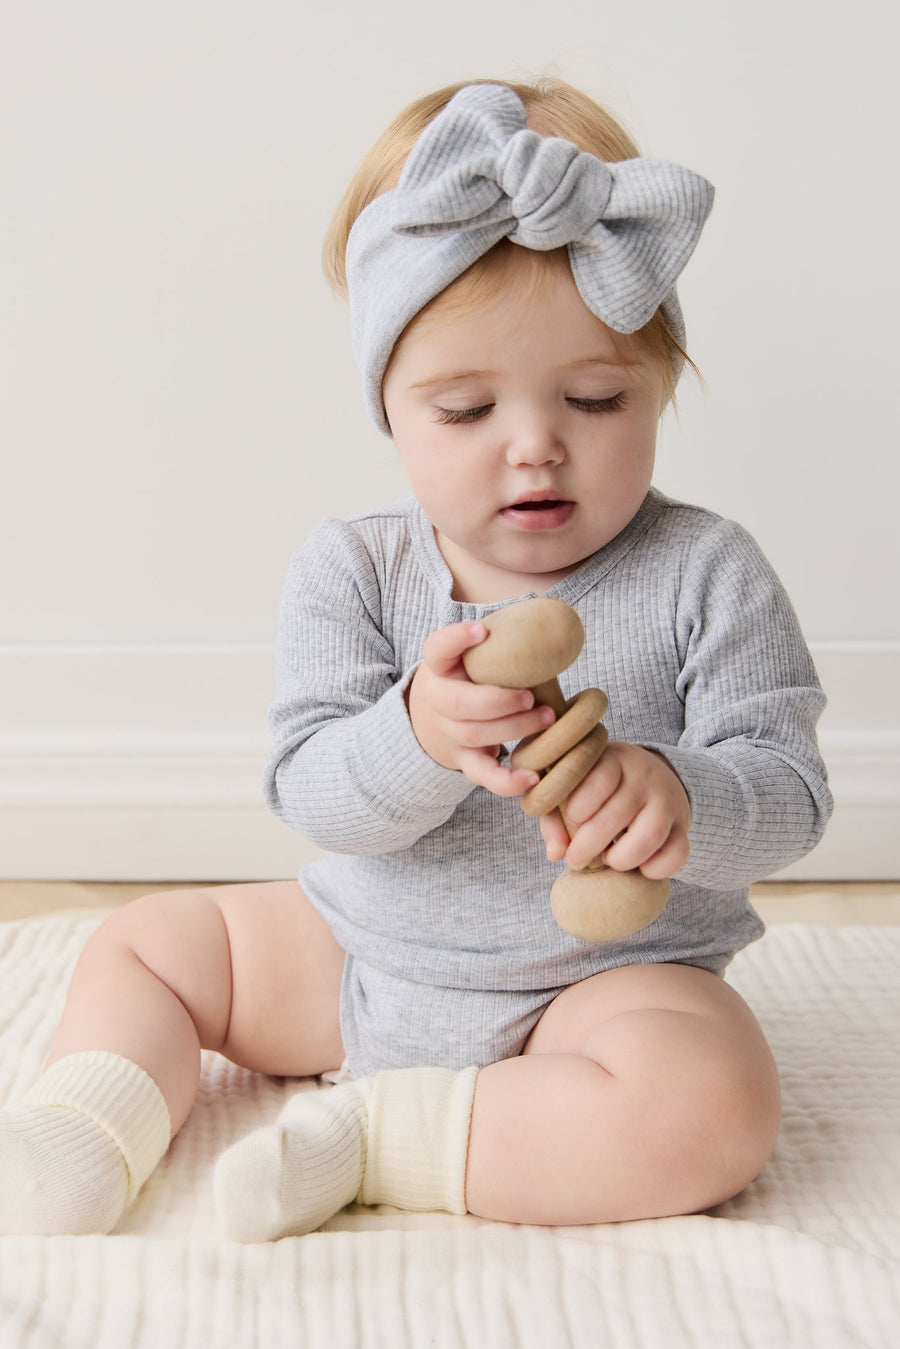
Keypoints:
pixel 462 725
pixel 633 796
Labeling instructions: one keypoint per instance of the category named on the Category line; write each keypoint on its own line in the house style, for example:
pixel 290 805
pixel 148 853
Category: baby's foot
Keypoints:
pixel 77 1150
pixel 59 1173
pixel 290 1178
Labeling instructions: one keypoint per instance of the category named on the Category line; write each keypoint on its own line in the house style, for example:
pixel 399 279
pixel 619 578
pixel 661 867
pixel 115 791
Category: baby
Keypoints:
pixel 511 265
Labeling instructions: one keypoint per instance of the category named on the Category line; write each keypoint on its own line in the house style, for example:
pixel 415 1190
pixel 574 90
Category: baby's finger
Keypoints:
pixel 670 858
pixel 597 836
pixel 482 768
pixel 595 790
pixel 555 836
pixel 647 833
pixel 460 700
pixel 443 649
pixel 504 730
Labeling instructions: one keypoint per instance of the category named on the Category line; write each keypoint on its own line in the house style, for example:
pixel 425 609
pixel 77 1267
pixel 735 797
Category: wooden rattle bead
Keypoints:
pixel 527 646
pixel 604 905
pixel 530 643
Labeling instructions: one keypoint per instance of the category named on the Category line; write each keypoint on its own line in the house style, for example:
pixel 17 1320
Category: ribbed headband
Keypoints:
pixel 477 175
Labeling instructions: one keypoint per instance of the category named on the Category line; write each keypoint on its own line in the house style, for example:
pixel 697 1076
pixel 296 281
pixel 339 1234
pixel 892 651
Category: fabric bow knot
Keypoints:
pixel 478 174
pixel 555 191
pixel 545 189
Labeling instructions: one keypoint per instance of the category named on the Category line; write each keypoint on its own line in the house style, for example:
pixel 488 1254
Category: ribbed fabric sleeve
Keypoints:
pixel 362 784
pixel 747 756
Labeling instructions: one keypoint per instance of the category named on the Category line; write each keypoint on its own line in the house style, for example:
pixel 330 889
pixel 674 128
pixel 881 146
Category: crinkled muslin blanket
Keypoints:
pixel 809 1255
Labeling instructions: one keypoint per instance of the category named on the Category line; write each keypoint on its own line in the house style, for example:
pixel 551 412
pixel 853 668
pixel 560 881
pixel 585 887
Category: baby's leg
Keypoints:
pixel 249 970
pixel 643 1092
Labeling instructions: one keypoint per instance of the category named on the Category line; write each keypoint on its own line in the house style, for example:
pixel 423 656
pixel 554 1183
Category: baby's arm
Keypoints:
pixel 346 769
pixel 747 757
pixel 745 777
pixel 462 725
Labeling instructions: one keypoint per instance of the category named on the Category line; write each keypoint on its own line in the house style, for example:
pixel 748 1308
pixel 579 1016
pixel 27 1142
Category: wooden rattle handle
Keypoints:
pixel 527 646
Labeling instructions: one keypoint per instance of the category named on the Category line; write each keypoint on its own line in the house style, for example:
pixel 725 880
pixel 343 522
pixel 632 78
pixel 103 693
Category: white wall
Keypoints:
pixel 178 405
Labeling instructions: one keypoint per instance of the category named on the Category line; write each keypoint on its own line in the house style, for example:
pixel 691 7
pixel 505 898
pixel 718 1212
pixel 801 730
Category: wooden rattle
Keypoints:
pixel 527 646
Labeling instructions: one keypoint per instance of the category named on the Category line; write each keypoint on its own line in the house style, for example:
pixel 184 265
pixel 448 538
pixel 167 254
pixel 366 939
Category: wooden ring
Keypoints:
pixel 582 713
pixel 565 775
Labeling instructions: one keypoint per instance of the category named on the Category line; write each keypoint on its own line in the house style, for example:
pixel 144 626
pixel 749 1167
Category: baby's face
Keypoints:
pixel 527 440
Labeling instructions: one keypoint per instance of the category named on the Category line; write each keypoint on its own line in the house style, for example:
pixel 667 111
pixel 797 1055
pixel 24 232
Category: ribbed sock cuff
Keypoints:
pixel 418 1139
pixel 120 1098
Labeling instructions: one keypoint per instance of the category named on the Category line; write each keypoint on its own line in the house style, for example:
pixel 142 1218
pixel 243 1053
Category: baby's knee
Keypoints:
pixel 709 1105
pixel 168 916
pixel 725 1133
pixel 180 939
pixel 746 1118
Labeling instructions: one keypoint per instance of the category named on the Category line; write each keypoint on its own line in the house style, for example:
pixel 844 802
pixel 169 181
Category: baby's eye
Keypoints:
pixel 612 404
pixel 457 416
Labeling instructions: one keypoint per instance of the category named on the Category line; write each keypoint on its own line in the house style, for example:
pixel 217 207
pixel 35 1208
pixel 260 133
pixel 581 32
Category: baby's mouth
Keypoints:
pixel 539 513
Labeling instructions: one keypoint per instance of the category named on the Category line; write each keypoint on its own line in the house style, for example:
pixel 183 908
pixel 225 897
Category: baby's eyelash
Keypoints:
pixel 458 416
pixel 612 404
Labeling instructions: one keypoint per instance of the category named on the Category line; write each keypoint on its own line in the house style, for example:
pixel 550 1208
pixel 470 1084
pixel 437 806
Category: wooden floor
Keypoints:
pixel 801 902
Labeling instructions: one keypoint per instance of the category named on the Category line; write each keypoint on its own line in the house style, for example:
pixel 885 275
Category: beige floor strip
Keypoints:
pixel 852 903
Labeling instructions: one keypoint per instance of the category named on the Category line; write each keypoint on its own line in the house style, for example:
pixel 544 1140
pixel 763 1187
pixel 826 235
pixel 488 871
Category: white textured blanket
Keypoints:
pixel 808 1256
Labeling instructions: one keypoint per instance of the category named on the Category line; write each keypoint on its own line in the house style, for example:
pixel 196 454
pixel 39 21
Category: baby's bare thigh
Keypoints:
pixel 662 1015
pixel 580 1010
pixel 286 980
pixel 689 1060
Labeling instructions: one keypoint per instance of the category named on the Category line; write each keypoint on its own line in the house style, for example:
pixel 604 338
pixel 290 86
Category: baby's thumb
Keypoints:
pixel 443 650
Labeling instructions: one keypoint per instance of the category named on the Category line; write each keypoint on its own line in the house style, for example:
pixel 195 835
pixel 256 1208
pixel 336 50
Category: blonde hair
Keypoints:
pixel 553 108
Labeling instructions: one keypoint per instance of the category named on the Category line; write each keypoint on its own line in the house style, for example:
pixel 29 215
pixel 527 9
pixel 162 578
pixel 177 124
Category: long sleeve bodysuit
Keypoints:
pixel 439 890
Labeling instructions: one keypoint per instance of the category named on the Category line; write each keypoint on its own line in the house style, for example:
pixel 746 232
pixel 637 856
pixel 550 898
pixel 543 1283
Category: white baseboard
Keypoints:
pixel 860 740
pixel 154 844
pixel 144 764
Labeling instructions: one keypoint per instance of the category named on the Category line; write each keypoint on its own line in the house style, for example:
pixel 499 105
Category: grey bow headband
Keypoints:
pixel 477 175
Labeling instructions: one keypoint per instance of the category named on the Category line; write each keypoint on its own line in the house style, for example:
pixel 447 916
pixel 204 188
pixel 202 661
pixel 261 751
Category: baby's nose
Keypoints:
pixel 533 441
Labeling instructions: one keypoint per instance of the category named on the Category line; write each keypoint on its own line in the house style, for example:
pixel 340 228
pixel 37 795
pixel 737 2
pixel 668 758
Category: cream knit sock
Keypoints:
pixel 75 1153
pixel 400 1137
